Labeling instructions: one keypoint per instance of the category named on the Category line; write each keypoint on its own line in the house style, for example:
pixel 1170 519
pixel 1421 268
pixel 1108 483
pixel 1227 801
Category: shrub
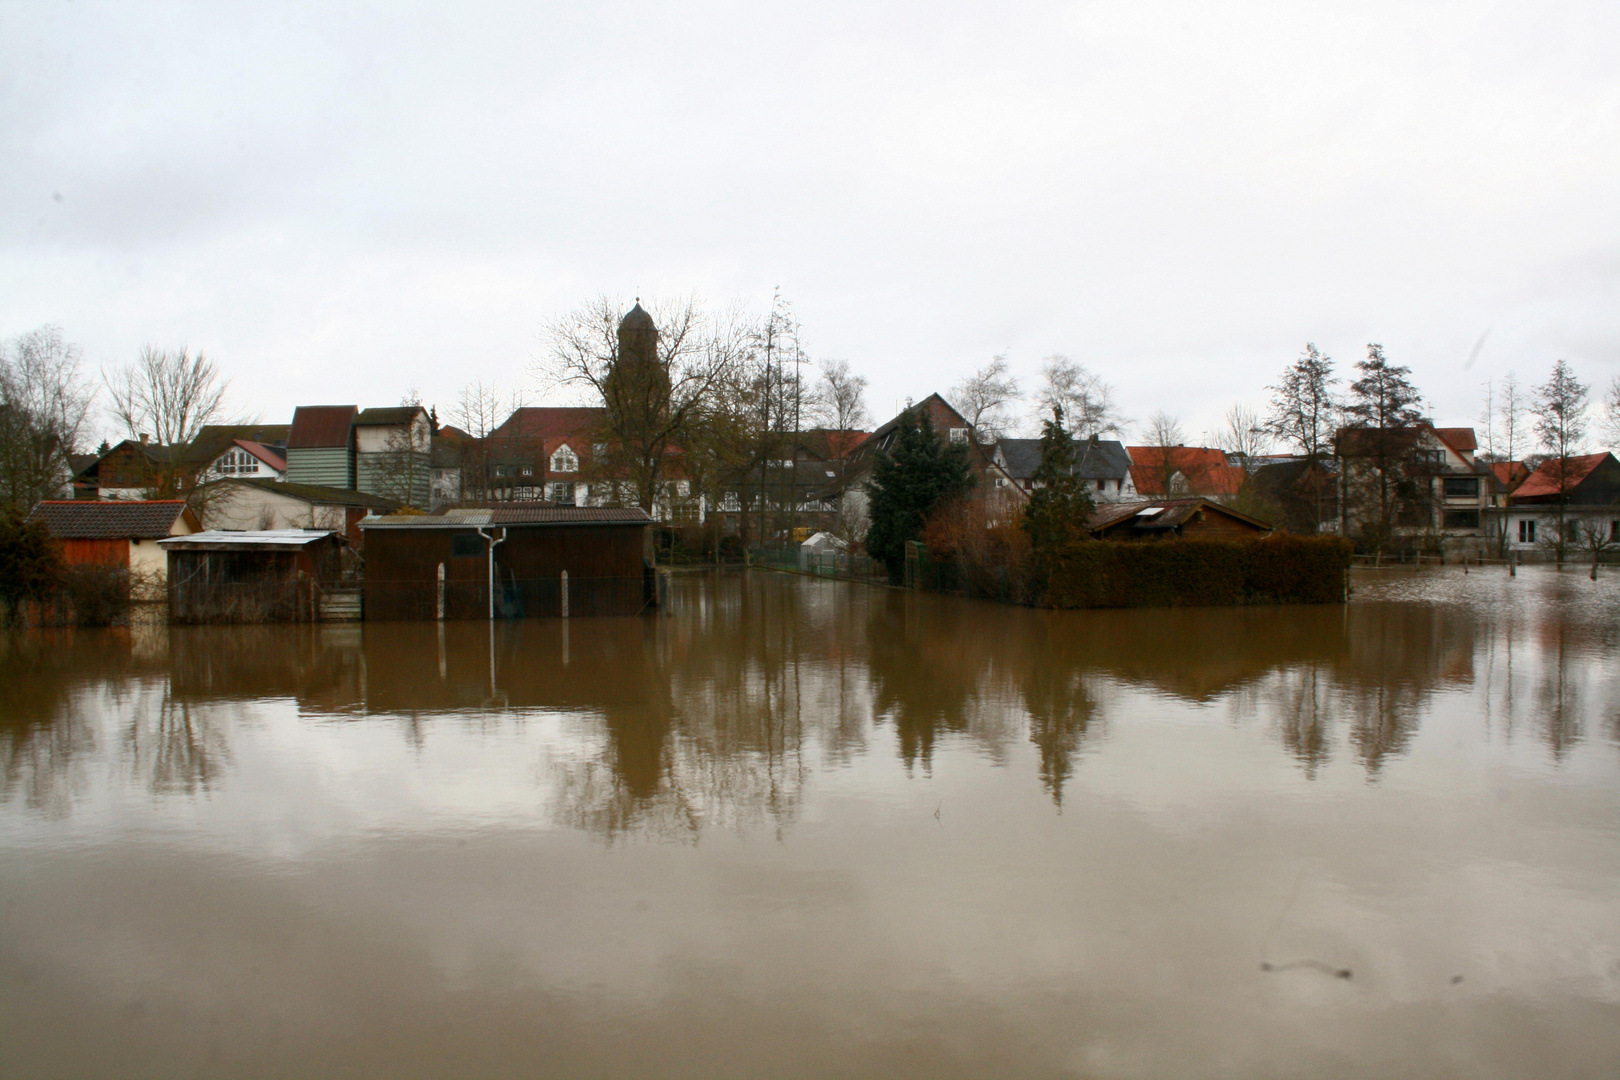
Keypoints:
pixel 982 559
pixel 1278 569
pixel 95 595
pixel 30 563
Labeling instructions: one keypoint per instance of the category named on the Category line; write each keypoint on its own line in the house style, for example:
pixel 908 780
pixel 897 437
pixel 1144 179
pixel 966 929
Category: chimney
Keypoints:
pixel 144 437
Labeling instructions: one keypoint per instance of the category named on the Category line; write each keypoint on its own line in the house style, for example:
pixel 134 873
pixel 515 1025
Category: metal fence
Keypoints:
pixel 827 564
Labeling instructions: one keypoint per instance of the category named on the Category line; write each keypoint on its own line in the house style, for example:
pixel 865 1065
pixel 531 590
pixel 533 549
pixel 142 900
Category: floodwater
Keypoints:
pixel 797 828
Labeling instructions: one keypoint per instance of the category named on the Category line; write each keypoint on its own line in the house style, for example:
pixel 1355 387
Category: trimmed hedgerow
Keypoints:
pixel 1279 569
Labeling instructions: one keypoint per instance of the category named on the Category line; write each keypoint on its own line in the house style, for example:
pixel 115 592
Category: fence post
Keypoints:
pixel 565 594
pixel 438 608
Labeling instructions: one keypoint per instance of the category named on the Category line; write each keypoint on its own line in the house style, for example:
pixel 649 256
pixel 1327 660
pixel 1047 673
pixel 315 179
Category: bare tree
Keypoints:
pixel 840 402
pixel 1611 415
pixel 44 405
pixel 170 396
pixel 1165 436
pixel 1304 411
pixel 1560 410
pixel 1509 437
pixel 479 410
pixel 1597 537
pixel 1087 402
pixel 671 362
pixel 983 399
pixel 1242 436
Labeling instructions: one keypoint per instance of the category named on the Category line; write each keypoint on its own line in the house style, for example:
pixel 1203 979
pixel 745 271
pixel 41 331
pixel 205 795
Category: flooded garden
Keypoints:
pixel 799 827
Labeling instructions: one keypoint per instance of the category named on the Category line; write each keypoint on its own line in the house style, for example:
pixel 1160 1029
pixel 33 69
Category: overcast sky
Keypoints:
pixel 341 201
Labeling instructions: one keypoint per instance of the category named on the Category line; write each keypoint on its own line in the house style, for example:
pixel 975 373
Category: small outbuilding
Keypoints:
pixel 426 566
pixel 1162 518
pixel 271 575
pixel 821 550
pixel 121 533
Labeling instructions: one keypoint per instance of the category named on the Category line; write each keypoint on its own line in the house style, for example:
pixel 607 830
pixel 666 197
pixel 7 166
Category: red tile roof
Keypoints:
pixel 321 426
pixel 551 422
pixel 264 454
pixel 1204 468
pixel 1544 481
pixel 129 519
pixel 1510 473
pixel 1460 439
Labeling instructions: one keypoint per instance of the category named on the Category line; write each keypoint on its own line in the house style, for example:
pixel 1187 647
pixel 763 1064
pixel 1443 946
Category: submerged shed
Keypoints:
pixel 270 575
pixel 425 566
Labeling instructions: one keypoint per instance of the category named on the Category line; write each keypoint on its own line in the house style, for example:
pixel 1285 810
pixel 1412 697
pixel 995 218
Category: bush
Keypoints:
pixel 1279 569
pixel 971 555
pixel 95 595
pixel 30 563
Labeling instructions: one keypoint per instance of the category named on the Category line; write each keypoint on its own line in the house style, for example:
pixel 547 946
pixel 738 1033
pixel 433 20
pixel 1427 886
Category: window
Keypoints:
pixel 1614 531
pixel 528 470
pixel 1527 531
pixel 1462 487
pixel 959 434
pixel 563 494
pixel 466 545
pixel 1462 519
pixel 599 450
pixel 564 460
pixel 500 470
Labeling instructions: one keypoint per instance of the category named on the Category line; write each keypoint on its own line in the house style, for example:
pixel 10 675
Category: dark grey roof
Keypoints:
pixel 388 416
pixel 314 493
pixel 637 318
pixel 89 519
pixel 514 514
pixel 1105 459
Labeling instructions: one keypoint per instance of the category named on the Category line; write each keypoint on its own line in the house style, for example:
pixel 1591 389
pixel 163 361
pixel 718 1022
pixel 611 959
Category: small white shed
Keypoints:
pixel 822 544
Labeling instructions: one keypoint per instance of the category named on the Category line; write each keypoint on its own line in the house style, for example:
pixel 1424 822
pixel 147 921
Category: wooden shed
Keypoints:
pixel 271 575
pixel 426 566
pixel 120 533
pixel 1162 518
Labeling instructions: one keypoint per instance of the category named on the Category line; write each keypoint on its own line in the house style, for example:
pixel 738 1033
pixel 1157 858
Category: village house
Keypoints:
pixel 258 503
pixel 121 534
pixel 1442 496
pixel 1159 471
pixel 1001 495
pixel 1591 496
pixel 1104 465
pixel 1303 492
pixel 393 452
pixel 130 469
pixel 1159 519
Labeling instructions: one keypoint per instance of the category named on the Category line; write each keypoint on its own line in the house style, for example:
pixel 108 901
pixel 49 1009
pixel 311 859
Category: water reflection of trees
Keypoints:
pixel 718 712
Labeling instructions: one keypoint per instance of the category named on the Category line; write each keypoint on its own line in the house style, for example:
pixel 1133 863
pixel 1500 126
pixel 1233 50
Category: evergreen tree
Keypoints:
pixel 1060 505
pixel 1384 404
pixel 922 473
pixel 29 562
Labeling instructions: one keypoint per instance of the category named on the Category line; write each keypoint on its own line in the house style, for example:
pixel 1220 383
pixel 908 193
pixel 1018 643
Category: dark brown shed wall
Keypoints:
pixel 604 564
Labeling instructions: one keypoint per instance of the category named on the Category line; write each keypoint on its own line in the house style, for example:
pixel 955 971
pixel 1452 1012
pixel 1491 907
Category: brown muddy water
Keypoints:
pixel 802 829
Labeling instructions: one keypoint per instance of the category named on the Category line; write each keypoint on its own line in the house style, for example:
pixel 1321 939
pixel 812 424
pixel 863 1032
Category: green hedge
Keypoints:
pixel 1280 569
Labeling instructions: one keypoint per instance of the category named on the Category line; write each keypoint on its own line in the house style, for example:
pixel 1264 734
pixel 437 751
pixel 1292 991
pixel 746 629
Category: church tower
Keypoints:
pixel 638 388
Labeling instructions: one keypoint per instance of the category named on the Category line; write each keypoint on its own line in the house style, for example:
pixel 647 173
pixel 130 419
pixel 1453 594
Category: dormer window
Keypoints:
pixel 564 460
